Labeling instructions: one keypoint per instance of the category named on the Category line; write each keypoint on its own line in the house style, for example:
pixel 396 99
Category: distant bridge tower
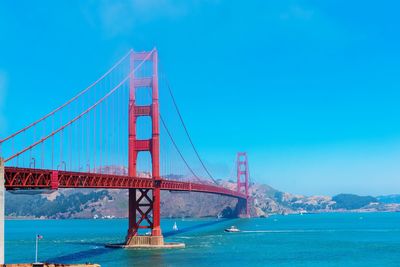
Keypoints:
pixel 243 183
pixel 144 204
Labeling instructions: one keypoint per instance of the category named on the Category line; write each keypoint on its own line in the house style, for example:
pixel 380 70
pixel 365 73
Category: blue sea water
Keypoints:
pixel 335 239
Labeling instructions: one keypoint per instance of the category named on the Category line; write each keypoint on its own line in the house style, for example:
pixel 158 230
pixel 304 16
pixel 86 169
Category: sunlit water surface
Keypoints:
pixel 348 239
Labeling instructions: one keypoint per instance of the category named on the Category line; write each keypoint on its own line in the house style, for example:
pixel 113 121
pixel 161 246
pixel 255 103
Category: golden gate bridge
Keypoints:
pixel 115 122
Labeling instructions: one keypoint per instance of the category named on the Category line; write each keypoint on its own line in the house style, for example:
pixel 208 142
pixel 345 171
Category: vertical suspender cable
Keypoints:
pixel 186 130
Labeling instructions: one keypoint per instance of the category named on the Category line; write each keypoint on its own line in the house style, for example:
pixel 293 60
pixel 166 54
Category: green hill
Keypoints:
pixel 351 201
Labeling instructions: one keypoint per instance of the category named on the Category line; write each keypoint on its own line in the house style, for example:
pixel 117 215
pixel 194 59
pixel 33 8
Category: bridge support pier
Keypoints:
pixel 242 209
pixel 144 213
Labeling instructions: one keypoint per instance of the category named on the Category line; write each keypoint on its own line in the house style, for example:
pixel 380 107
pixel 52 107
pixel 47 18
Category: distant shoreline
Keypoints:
pixel 209 217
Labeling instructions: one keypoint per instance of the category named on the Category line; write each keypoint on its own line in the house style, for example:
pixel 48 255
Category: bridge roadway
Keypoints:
pixel 28 178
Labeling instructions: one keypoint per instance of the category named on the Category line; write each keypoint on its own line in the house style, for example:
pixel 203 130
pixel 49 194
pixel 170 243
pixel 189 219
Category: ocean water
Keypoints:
pixel 341 239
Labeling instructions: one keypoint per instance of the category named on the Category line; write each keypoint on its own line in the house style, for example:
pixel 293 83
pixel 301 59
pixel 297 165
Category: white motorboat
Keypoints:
pixel 232 229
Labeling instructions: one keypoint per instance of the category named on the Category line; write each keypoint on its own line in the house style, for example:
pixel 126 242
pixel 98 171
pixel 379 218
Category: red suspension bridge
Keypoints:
pixel 83 144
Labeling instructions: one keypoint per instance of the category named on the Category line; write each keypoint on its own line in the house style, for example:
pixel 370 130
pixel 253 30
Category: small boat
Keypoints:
pixel 175 227
pixel 232 229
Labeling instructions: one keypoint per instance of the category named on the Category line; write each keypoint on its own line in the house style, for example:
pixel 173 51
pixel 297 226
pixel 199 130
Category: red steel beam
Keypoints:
pixel 30 179
pixel 143 82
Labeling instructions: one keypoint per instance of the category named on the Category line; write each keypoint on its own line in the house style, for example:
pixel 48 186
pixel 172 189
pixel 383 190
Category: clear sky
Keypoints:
pixel 310 89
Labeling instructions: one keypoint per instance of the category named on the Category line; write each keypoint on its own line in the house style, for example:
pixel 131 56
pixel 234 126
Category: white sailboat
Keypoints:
pixel 175 227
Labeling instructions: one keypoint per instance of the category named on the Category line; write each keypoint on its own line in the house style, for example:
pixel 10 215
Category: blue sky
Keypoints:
pixel 310 89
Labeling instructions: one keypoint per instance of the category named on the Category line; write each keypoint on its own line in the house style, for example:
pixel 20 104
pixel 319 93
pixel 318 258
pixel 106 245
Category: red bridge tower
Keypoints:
pixel 243 174
pixel 144 204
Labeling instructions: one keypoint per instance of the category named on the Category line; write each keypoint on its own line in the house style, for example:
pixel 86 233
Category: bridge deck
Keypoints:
pixel 26 178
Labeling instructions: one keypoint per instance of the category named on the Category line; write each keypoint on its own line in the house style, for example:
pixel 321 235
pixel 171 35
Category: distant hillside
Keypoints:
pixel 61 204
pixel 390 199
pixel 265 200
pixel 85 203
pixel 352 202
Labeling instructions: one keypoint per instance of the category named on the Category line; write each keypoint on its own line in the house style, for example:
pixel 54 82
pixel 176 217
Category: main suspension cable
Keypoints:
pixel 185 128
pixel 81 114
pixel 177 148
pixel 68 102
